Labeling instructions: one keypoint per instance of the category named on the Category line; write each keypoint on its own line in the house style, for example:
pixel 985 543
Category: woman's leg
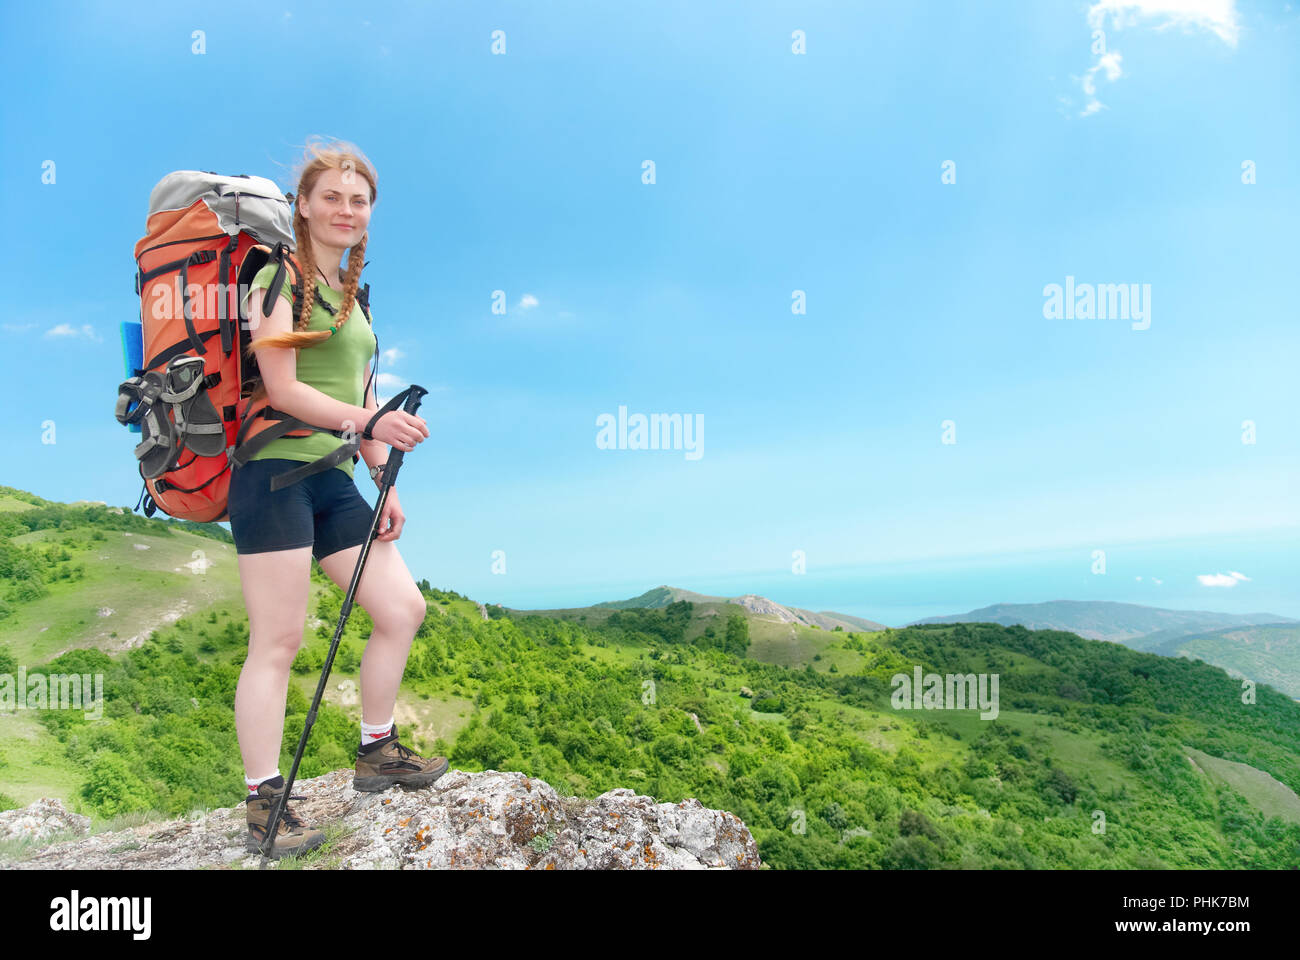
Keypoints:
pixel 388 594
pixel 276 585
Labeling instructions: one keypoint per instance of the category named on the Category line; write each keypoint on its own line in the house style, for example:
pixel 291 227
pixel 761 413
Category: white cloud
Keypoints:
pixel 1110 62
pixel 390 380
pixel 67 330
pixel 18 327
pixel 1156 580
pixel 1221 579
pixel 391 355
pixel 1217 16
pixel 527 301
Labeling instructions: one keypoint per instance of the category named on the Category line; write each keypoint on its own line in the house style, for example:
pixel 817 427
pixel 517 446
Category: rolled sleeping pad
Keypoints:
pixel 132 354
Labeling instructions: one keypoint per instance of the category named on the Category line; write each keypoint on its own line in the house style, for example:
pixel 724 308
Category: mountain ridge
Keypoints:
pixel 663 595
pixel 1104 619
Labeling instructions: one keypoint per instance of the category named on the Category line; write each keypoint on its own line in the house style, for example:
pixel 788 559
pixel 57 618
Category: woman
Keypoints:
pixel 314 367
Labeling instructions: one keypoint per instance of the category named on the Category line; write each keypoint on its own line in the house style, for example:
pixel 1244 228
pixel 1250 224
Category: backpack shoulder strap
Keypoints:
pixel 363 298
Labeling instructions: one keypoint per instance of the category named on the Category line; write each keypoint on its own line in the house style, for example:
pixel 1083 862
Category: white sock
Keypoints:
pixel 253 782
pixel 370 732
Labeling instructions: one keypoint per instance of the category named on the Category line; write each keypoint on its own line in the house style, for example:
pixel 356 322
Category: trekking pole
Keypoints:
pixel 413 395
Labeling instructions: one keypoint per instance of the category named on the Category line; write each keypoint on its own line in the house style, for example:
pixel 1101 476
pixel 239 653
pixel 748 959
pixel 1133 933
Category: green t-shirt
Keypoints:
pixel 337 367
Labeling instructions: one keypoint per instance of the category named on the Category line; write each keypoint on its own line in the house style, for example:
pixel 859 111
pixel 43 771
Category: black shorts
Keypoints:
pixel 324 511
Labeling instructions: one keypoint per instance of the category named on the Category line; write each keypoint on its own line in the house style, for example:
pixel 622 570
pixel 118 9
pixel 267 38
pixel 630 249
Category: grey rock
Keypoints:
pixel 40 820
pixel 488 820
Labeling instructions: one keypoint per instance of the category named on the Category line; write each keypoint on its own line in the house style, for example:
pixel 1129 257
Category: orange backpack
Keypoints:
pixel 206 237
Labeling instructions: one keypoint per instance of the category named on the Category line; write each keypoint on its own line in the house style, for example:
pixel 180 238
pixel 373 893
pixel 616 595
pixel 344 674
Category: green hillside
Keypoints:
pixel 1100 756
pixel 1260 646
pixel 1266 653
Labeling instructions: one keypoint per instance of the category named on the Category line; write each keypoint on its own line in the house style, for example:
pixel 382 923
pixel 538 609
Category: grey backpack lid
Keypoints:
pixel 254 205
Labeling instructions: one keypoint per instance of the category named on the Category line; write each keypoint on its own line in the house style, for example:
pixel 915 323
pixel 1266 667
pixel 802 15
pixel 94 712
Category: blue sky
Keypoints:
pixel 775 171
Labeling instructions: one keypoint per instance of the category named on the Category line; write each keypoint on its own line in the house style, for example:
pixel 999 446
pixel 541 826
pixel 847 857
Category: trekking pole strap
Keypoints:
pixel 389 407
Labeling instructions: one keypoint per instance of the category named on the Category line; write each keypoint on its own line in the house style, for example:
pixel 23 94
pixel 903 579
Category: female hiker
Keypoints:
pixel 276 533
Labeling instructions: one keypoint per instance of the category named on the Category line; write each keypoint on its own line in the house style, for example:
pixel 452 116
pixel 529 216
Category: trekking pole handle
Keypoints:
pixel 412 398
pixel 414 395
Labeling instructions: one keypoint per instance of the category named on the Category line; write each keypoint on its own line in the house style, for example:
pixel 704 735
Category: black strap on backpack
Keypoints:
pixel 245 448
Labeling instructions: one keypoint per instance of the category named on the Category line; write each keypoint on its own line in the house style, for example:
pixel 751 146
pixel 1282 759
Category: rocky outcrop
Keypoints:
pixel 41 820
pixel 489 820
pixel 769 608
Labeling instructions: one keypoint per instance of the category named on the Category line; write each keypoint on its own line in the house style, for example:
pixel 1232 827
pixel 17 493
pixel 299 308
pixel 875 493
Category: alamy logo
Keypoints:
pixel 953 691
pixel 1105 301
pixel 102 913
pixel 57 691
pixel 661 431
pixel 203 299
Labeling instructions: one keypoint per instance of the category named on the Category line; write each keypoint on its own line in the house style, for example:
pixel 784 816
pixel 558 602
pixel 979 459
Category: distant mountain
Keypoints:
pixel 663 595
pixel 1126 623
pixel 1266 653
pixel 657 597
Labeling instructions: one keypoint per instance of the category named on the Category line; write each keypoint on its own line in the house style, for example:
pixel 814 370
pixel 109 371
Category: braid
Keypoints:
pixel 307 258
pixel 356 259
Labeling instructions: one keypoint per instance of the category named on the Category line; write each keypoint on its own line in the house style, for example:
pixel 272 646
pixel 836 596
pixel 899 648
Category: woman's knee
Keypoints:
pixel 402 614
pixel 275 648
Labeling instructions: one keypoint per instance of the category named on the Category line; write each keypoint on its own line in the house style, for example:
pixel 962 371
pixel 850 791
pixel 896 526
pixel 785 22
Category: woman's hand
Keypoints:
pixel 400 430
pixel 391 520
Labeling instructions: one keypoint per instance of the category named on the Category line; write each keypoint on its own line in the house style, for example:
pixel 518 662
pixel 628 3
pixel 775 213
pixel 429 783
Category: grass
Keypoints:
pixel 144 588
pixel 786 644
pixel 1272 797
pixel 1079 754
pixel 35 764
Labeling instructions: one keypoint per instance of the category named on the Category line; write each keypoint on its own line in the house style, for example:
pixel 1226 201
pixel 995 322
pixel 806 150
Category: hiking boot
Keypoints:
pixel 291 834
pixel 386 762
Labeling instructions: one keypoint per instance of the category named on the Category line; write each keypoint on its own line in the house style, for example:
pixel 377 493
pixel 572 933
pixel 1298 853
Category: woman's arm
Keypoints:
pixel 279 369
pixel 373 452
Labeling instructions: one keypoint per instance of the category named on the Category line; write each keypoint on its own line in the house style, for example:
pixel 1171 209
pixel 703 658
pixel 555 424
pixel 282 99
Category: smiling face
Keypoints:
pixel 338 208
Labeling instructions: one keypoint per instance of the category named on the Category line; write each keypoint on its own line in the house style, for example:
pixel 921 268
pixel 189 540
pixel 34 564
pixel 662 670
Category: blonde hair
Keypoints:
pixel 317 158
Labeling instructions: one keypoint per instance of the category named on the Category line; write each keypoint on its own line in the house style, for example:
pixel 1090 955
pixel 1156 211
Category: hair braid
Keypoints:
pixel 307 260
pixel 356 260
